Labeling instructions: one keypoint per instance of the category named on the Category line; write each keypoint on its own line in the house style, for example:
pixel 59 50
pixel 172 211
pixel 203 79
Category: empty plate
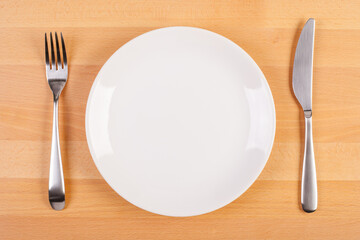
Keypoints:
pixel 180 121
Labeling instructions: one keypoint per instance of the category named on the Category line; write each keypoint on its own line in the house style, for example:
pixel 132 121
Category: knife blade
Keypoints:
pixel 302 87
pixel 303 66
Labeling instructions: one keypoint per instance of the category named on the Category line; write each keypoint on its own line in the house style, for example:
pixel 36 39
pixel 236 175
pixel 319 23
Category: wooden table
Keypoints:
pixel 93 30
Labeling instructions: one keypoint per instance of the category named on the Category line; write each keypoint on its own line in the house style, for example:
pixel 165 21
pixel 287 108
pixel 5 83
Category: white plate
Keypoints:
pixel 180 121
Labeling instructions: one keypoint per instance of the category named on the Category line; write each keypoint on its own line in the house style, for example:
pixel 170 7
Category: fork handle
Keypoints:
pixel 56 177
pixel 309 184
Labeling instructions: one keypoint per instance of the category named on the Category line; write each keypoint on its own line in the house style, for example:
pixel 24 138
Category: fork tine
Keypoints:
pixel 47 64
pixel 52 52
pixel 59 64
pixel 63 50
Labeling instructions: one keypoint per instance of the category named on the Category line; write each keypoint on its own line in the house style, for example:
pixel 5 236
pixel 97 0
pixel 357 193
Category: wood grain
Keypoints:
pixel 93 30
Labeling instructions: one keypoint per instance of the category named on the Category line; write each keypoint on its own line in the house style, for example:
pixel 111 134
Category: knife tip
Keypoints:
pixel 311 20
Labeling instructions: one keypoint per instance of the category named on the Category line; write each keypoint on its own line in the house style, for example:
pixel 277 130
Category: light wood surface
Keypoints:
pixel 93 30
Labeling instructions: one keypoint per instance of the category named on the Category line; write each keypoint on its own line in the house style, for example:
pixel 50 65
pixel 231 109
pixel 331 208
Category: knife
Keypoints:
pixel 302 86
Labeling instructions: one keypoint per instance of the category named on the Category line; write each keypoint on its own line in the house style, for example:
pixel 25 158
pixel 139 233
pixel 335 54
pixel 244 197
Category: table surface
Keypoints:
pixel 93 30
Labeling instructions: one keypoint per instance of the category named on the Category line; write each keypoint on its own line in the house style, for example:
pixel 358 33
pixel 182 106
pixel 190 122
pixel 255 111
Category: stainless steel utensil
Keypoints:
pixel 56 73
pixel 302 86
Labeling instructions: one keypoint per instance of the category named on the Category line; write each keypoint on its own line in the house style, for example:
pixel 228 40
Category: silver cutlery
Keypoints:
pixel 302 86
pixel 56 74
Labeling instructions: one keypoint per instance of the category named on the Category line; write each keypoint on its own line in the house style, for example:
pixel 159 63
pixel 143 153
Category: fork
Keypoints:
pixel 56 74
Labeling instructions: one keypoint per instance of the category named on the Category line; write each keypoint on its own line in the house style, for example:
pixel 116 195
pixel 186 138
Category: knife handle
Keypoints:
pixel 309 184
